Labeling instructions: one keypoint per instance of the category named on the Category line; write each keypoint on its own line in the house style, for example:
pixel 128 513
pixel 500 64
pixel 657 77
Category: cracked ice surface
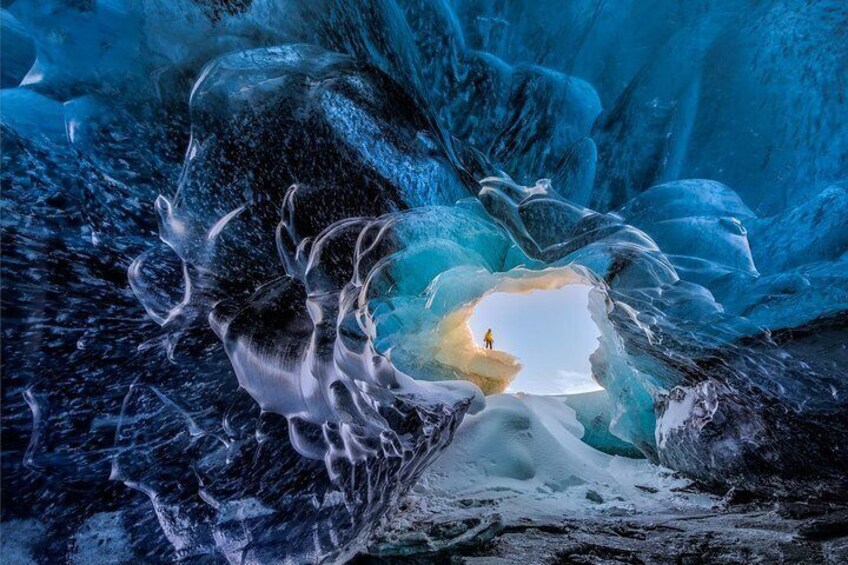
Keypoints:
pixel 237 237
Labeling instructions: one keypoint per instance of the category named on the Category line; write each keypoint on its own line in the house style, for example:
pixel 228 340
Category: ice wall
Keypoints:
pixel 750 94
pixel 235 235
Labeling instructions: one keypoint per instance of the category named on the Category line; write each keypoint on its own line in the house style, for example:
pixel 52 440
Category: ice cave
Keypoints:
pixel 251 250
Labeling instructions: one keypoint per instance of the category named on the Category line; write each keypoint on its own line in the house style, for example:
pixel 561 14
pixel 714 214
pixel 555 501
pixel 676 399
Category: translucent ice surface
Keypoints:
pixel 242 240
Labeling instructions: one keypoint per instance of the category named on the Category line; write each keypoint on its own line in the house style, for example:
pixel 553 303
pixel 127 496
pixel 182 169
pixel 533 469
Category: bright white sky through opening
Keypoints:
pixel 549 331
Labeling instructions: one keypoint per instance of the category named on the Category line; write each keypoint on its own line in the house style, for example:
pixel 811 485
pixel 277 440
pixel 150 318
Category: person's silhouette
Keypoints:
pixel 489 339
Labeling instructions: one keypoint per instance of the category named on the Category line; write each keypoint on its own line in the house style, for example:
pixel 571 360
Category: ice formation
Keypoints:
pixel 241 241
pixel 525 453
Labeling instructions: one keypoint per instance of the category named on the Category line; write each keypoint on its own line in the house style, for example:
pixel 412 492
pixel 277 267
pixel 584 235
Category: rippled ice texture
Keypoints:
pixel 237 233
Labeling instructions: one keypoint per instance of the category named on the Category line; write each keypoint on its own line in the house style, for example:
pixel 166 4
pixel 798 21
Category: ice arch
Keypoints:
pixel 445 338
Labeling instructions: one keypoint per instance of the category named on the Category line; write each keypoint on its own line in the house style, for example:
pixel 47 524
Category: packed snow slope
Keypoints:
pixel 236 232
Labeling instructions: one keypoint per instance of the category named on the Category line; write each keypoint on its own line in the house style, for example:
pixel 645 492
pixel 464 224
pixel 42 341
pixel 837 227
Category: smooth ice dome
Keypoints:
pixel 243 240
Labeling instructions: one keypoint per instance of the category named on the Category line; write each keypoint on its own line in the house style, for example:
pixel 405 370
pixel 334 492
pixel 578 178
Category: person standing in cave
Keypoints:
pixel 489 339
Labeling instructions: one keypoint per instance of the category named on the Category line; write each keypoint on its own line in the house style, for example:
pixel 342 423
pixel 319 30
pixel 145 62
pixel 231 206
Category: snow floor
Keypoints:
pixel 518 485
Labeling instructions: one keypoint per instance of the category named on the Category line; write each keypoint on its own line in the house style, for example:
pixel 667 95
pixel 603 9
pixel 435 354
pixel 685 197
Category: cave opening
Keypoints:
pixel 549 331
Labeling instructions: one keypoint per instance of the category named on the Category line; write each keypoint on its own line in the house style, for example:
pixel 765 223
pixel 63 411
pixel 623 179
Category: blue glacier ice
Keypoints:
pixel 241 241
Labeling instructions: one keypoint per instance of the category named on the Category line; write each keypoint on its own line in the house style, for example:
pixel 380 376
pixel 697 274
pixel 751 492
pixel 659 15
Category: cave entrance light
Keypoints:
pixel 551 332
